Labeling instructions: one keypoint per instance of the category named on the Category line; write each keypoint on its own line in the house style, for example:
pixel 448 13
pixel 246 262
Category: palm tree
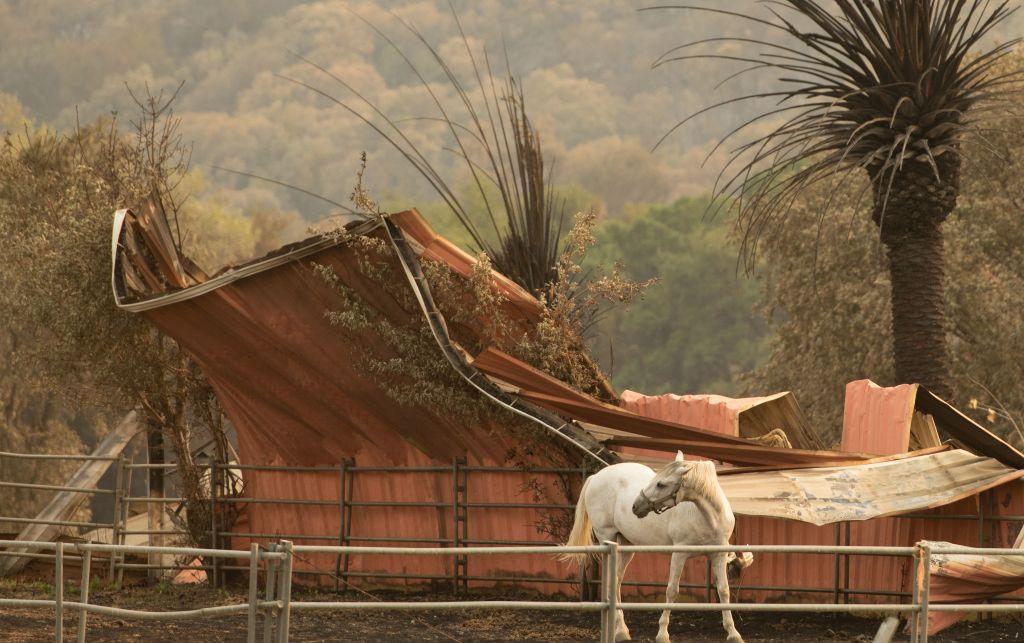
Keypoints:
pixel 890 87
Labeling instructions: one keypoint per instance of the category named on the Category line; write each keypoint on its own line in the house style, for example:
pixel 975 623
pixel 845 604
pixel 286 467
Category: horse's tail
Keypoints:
pixel 739 561
pixel 582 534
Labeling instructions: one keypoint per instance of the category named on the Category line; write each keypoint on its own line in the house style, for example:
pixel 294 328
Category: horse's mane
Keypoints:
pixel 703 479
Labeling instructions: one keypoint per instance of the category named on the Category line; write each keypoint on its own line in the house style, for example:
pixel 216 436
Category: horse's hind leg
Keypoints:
pixel 675 571
pixel 718 567
pixel 621 631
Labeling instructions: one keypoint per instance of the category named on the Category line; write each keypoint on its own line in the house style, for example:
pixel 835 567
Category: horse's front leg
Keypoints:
pixel 674 572
pixel 718 566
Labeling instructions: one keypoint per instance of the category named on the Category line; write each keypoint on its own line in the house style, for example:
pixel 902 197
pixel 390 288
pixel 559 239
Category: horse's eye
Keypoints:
pixel 661 485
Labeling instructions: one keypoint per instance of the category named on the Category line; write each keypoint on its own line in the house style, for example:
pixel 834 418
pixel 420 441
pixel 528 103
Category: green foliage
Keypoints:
pixel 695 331
pixel 12 114
pixel 223 227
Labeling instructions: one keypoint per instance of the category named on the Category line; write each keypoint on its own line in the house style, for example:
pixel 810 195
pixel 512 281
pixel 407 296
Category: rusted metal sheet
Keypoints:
pixel 886 420
pixel 967 431
pixel 960 578
pixel 292 387
pixel 430 523
pixel 963 578
pixel 877 419
pixel 290 382
pixel 892 410
pixel 643 431
pixel 859 492
pixel 748 417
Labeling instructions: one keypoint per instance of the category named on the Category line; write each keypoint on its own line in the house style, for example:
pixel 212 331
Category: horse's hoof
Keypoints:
pixel 663 637
pixel 734 638
pixel 623 635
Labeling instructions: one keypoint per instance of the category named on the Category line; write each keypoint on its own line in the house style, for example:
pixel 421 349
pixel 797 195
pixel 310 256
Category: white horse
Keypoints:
pixel 682 505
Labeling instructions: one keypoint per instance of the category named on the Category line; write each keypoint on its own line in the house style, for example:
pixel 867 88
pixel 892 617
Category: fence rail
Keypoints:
pixel 461 506
pixel 277 605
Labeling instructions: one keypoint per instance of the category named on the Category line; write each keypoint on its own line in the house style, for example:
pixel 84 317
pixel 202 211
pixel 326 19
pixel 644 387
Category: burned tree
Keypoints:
pixel 887 88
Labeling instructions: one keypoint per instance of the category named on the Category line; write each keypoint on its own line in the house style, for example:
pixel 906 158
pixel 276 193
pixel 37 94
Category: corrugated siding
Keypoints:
pixel 422 522
pixel 711 412
pixel 877 419
pixel 296 396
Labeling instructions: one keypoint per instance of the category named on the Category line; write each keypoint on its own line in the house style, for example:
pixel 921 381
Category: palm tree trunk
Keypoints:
pixel 910 213
pixel 917 272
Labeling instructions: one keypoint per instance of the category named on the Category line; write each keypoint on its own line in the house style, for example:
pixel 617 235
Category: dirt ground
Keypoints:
pixel 466 625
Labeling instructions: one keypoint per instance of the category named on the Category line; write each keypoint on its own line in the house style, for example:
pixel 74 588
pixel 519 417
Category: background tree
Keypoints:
pixel 589 95
pixel 66 345
pixel 693 332
pixel 890 88
pixel 826 292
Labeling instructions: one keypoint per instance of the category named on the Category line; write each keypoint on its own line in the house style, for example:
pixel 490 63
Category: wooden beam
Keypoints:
pixel 65 503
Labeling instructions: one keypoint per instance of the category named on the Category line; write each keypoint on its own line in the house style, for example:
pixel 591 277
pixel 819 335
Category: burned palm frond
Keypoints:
pixel 529 250
pixel 890 87
pixel 497 146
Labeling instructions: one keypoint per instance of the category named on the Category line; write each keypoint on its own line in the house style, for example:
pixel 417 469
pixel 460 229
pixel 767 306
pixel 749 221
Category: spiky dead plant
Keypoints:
pixel 890 87
pixel 497 146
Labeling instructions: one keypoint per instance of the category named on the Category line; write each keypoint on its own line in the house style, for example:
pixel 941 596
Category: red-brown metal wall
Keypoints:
pixel 860 573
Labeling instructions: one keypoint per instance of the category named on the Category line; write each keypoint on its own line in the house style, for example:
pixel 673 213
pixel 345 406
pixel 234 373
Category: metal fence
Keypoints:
pixel 13 484
pixel 459 477
pixel 275 609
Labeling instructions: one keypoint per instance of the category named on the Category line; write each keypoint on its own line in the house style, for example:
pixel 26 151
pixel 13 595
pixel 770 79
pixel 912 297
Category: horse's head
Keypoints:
pixel 678 482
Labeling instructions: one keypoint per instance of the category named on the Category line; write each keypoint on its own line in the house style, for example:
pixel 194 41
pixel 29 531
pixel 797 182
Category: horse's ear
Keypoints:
pixel 679 456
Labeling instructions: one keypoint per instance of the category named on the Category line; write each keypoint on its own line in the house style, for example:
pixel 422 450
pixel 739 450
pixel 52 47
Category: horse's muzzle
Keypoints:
pixel 642 506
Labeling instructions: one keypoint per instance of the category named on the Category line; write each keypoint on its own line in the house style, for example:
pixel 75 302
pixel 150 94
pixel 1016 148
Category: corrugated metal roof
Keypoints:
pixel 965 430
pixel 636 430
pixel 887 487
pixel 747 417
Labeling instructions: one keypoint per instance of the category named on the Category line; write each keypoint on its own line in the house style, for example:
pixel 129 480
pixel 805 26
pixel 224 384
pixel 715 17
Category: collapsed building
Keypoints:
pixel 305 409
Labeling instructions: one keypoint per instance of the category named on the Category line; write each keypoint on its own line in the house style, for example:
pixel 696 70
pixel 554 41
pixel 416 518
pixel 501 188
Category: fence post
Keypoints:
pixel 455 523
pixel 926 582
pixel 58 589
pixel 611 590
pixel 283 621
pixel 214 537
pixel 349 483
pixel 835 570
pixel 270 615
pixel 341 522
pixel 981 522
pixel 846 566
pixel 915 616
pixel 460 515
pixel 126 482
pixel 586 589
pixel 254 594
pixel 707 579
pixel 213 520
pixel 115 531
pixel 605 586
pixel 464 536
pixel 84 598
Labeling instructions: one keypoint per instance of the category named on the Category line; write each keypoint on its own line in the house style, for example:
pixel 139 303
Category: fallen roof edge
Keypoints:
pixel 306 248
pixel 566 430
pixel 967 431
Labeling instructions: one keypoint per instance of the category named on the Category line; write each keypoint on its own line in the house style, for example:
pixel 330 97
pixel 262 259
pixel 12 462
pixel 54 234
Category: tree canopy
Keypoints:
pixel 694 331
